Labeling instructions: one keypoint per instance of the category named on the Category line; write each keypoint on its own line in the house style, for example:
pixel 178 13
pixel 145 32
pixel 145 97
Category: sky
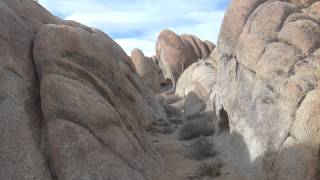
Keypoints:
pixel 137 23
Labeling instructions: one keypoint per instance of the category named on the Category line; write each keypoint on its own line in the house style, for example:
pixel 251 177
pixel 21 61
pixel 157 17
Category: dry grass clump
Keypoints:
pixel 200 149
pixel 162 126
pixel 195 128
pixel 210 169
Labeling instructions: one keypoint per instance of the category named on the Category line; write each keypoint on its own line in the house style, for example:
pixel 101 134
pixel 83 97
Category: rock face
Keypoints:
pixel 148 70
pixel 89 104
pixel 71 104
pixel 192 79
pixel 268 84
pixel 175 53
pixel 197 85
pixel 20 113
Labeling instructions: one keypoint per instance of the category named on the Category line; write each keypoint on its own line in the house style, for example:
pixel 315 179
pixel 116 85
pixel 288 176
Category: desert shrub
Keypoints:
pixel 175 120
pixel 172 111
pixel 210 169
pixel 200 149
pixel 167 130
pixel 162 126
pixel 195 128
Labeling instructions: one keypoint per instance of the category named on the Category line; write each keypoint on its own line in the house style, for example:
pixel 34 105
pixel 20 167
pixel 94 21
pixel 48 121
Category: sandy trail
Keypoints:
pixel 173 150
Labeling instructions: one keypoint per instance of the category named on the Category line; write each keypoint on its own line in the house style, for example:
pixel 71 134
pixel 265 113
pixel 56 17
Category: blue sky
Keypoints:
pixel 137 23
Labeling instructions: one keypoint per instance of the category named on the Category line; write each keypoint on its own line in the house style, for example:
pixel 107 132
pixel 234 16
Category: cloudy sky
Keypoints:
pixel 137 23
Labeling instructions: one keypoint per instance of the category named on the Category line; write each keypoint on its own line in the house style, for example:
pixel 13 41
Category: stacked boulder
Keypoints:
pixel 262 81
pixel 197 86
pixel 148 69
pixel 268 84
pixel 71 103
pixel 175 53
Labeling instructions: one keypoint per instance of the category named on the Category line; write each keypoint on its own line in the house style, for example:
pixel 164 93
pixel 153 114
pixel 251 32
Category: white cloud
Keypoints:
pixel 137 23
pixel 110 17
pixel 207 29
pixel 148 46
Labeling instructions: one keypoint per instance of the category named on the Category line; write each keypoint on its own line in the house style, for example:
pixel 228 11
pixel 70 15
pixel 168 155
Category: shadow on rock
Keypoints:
pixel 293 162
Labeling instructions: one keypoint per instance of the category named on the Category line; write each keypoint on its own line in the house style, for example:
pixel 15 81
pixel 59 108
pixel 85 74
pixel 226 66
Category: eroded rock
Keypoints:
pixel 95 111
pixel 268 71
pixel 71 103
pixel 196 87
pixel 175 53
pixel 21 121
pixel 148 69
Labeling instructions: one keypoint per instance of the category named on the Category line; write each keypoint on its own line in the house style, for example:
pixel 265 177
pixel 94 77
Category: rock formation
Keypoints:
pixel 262 81
pixel 197 85
pixel 21 121
pixel 148 69
pixel 192 79
pixel 268 84
pixel 175 53
pixel 72 106
pixel 102 106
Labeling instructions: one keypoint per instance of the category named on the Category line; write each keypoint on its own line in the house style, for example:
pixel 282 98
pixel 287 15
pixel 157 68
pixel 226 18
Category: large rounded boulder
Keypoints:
pixel 268 84
pixel 71 103
pixel 21 155
pixel 175 53
pixel 94 106
pixel 148 70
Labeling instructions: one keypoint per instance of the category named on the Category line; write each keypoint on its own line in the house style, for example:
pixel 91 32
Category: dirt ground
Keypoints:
pixel 178 167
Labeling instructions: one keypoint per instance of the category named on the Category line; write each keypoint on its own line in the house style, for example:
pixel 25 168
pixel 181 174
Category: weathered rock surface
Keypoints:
pixel 148 69
pixel 20 113
pixel 175 53
pixel 197 86
pixel 268 83
pixel 201 49
pixel 210 45
pixel 193 79
pixel 71 104
pixel 90 104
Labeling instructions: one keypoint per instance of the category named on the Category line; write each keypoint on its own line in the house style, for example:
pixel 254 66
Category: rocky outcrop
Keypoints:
pixel 71 103
pixel 193 79
pixel 148 69
pixel 197 86
pixel 90 104
pixel 197 89
pixel 268 84
pixel 210 45
pixel 175 53
pixel 20 113
pixel 201 49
